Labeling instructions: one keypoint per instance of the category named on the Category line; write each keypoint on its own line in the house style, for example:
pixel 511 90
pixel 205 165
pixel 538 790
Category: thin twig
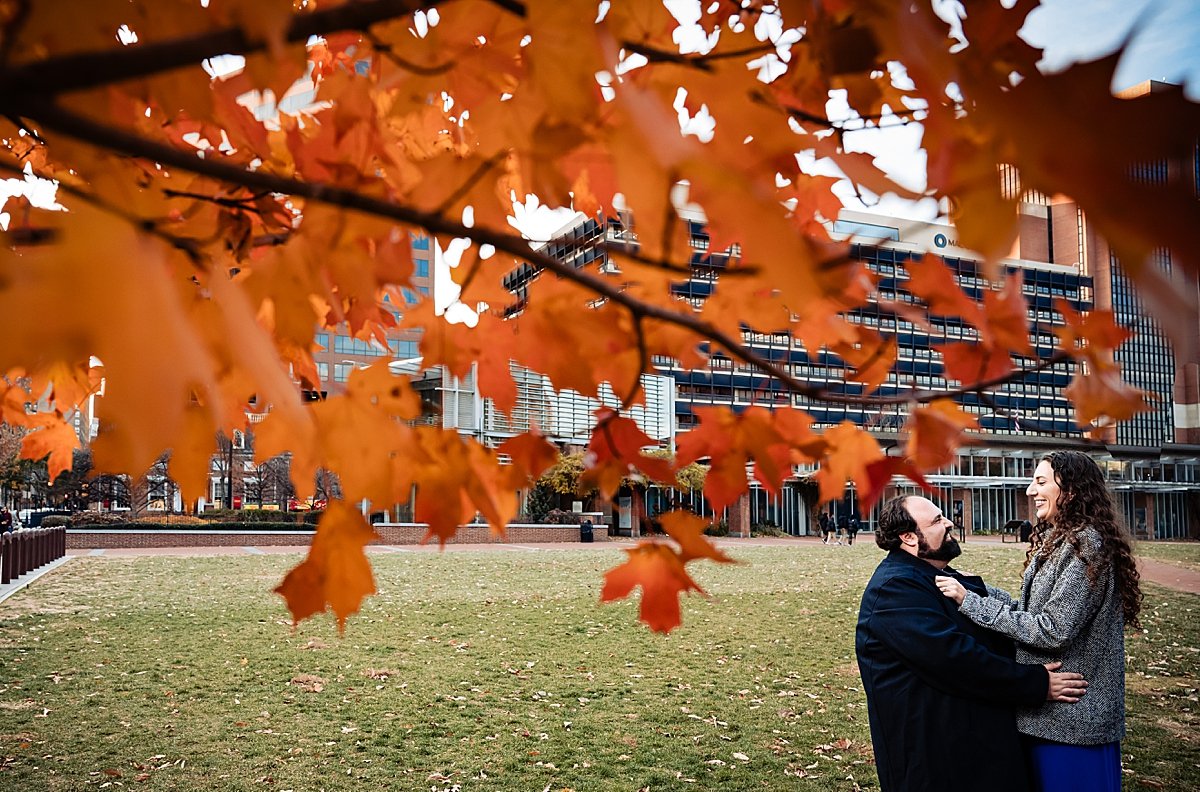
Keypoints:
pixel 245 204
pixel 464 188
pixel 390 53
pixel 1035 425
pixel 643 362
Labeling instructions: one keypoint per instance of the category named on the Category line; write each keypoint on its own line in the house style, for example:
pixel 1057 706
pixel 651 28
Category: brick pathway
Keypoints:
pixel 1169 575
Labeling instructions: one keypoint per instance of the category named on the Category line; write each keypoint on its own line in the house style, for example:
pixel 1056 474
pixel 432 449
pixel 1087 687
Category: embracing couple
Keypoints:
pixel 969 687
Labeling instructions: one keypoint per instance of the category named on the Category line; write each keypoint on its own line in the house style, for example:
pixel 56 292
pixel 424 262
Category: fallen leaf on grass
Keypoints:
pixel 309 682
pixel 382 674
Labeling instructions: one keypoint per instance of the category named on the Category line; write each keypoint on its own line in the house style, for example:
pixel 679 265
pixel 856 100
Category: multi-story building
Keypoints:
pixel 1152 462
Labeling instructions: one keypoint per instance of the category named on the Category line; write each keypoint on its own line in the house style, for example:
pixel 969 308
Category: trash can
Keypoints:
pixel 585 531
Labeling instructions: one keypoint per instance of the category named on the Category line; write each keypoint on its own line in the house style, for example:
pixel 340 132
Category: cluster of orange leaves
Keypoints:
pixel 202 248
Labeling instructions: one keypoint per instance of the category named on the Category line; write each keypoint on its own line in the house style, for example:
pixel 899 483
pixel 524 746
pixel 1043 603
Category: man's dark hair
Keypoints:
pixel 894 520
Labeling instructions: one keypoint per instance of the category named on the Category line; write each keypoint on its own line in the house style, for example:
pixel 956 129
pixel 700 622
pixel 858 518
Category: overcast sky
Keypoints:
pixel 1165 46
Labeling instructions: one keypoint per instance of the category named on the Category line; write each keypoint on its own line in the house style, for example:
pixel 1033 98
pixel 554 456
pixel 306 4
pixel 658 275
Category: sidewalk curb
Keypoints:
pixel 8 589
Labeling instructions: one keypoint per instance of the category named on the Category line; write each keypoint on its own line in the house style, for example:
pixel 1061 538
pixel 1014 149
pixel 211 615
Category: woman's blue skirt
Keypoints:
pixel 1057 767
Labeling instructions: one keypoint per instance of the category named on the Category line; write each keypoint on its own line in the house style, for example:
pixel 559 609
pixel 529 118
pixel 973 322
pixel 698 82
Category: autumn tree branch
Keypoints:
pixel 54 117
pixel 623 251
pixel 84 70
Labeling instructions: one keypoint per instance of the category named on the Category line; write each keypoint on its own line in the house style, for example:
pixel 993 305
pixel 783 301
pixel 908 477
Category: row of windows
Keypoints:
pixel 345 345
pixel 1146 361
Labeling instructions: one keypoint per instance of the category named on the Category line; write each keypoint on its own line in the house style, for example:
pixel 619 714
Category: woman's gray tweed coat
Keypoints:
pixel 1062 616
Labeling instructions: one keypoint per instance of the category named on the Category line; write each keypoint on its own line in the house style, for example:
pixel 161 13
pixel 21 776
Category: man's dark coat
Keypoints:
pixel 940 690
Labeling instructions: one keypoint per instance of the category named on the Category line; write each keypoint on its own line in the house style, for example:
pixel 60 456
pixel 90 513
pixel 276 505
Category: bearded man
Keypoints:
pixel 941 691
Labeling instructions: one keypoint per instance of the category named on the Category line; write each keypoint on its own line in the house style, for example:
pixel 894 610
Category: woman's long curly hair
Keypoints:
pixel 1084 502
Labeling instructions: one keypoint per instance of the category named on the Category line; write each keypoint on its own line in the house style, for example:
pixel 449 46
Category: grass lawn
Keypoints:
pixel 488 671
pixel 1183 554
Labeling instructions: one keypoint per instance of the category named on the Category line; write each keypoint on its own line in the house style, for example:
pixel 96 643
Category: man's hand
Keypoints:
pixel 951 588
pixel 1064 686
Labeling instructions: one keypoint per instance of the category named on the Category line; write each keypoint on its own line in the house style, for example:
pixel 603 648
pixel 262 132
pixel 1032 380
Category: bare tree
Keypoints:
pixel 110 491
pixel 270 482
pixel 328 487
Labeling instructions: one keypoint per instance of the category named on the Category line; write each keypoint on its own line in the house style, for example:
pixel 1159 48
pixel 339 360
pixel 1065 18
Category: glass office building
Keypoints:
pixel 1155 480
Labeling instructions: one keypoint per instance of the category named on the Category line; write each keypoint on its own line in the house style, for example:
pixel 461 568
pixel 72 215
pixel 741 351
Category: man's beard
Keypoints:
pixel 949 550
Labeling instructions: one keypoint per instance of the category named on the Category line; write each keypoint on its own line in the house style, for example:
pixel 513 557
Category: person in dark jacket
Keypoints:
pixel 823 525
pixel 931 675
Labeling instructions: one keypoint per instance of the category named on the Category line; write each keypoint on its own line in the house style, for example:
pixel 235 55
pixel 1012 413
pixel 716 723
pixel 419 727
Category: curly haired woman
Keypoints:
pixel 1079 591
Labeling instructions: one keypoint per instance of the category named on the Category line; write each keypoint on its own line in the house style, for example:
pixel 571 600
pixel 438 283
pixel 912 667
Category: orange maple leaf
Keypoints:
pixel 850 450
pixel 687 530
pixel 968 362
pixel 658 569
pixel 1094 336
pixel 932 281
pixel 532 455
pixel 719 437
pixel 730 441
pixel 51 436
pixel 1102 397
pixel 878 475
pixel 490 344
pixel 336 573
pixel 458 478
pixel 935 431
pixel 615 451
pixel 1099 393
pixel 872 355
pixel 1006 316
